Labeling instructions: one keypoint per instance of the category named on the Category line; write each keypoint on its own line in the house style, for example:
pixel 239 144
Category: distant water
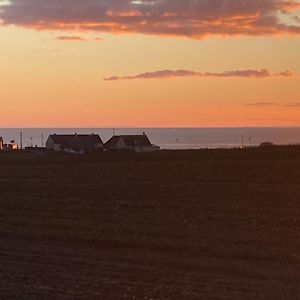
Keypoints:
pixel 171 138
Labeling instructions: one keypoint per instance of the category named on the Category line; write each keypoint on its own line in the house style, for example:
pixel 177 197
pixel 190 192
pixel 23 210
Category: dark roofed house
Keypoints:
pixel 78 143
pixel 136 143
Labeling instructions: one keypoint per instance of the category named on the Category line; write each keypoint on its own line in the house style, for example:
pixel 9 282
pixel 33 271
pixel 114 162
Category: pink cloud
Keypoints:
pixel 186 18
pixel 286 73
pixel 167 74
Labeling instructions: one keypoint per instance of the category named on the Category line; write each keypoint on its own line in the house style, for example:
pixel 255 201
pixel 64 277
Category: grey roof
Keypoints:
pixel 77 141
pixel 129 140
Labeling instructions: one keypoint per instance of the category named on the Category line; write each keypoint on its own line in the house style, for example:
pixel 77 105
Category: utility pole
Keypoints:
pixel 21 140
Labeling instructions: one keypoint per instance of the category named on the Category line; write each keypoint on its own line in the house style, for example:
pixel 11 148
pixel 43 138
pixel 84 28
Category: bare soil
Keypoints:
pixel 207 224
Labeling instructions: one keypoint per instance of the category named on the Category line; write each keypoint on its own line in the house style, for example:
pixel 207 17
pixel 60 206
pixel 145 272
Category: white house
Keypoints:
pixel 136 143
pixel 1 143
pixel 79 143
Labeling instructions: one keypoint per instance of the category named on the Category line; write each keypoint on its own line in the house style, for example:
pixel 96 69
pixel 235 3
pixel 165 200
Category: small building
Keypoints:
pixel 8 147
pixel 76 143
pixel 136 143
pixel 267 144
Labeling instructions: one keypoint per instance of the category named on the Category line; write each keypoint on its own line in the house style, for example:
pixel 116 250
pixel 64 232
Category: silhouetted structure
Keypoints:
pixel 8 147
pixel 136 143
pixel 76 143
pixel 267 144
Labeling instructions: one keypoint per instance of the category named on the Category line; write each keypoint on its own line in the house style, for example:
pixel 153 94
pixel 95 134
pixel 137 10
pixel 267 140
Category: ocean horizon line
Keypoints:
pixel 147 127
pixel 168 138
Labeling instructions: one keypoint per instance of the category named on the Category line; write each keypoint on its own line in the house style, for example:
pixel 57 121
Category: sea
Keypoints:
pixel 168 138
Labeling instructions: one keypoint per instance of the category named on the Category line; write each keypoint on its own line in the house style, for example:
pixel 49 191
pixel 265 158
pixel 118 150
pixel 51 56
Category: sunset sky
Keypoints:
pixel 149 63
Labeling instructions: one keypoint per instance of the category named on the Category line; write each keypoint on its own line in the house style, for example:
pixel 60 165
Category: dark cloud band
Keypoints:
pixel 188 73
pixel 191 18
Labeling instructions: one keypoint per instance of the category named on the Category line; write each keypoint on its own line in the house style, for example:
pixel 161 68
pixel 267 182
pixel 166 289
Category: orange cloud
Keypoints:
pixel 167 74
pixel 190 18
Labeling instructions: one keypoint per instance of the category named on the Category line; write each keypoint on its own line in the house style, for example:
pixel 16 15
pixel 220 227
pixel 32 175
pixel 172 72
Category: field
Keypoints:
pixel 207 224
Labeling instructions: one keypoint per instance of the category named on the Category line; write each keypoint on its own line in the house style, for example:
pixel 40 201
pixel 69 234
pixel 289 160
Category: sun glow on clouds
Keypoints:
pixel 3 3
pixel 195 19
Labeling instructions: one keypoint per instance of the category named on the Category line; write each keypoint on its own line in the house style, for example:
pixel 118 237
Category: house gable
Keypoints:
pixel 74 142
pixel 137 143
pixel 120 144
